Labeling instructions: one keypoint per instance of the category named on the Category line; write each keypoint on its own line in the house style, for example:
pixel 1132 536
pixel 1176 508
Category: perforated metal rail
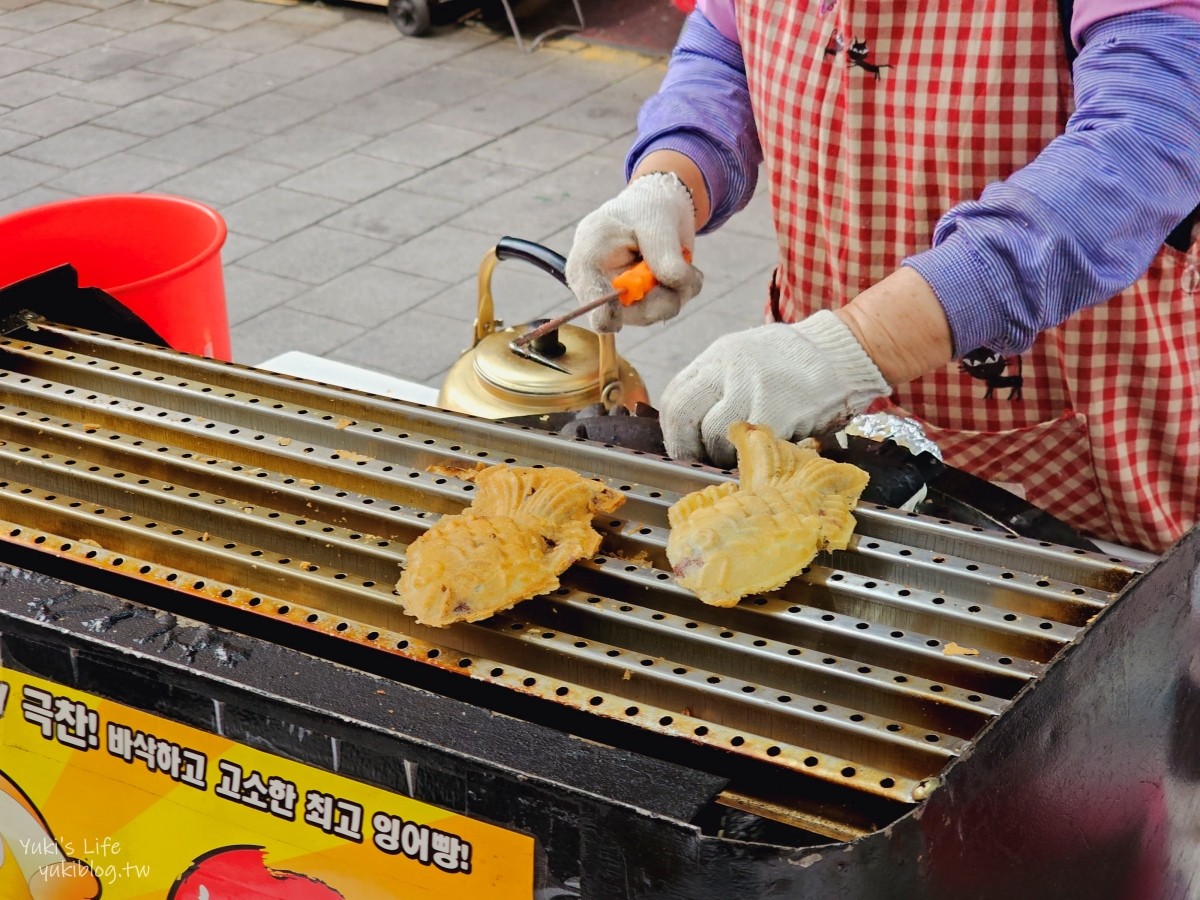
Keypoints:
pixel 871 671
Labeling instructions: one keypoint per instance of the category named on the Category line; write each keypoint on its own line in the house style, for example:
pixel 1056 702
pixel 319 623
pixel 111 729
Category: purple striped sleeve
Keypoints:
pixel 1082 221
pixel 702 110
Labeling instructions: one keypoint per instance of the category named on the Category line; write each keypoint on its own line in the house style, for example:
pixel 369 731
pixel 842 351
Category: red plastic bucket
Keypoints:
pixel 158 255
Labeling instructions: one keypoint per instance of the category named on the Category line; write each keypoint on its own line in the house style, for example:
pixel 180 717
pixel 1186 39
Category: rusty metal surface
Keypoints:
pixel 872 672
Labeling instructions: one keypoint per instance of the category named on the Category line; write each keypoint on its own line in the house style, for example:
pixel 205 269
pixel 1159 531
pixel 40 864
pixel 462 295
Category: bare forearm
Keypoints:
pixel 901 325
pixel 689 174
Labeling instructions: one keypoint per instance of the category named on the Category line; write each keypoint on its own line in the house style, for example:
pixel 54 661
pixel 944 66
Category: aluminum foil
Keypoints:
pixel 906 432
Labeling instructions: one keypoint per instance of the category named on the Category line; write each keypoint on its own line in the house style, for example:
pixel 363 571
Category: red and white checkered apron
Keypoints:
pixel 875 118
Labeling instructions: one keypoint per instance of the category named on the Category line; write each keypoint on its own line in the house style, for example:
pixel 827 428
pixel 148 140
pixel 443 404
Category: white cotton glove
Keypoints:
pixel 652 219
pixel 800 380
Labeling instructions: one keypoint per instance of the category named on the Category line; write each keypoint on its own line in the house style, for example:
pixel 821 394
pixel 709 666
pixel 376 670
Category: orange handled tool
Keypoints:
pixel 630 287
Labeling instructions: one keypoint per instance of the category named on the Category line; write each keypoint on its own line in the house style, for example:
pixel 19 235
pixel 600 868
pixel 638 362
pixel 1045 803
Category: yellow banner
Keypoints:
pixel 98 797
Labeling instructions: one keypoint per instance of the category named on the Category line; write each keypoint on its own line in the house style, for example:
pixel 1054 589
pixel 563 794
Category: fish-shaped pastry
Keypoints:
pixel 523 529
pixel 734 539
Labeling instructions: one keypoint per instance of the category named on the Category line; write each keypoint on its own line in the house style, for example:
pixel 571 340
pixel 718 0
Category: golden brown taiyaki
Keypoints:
pixel 733 539
pixel 523 529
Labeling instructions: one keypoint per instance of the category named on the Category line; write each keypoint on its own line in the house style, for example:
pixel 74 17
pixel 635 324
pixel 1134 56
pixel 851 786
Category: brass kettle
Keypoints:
pixel 491 381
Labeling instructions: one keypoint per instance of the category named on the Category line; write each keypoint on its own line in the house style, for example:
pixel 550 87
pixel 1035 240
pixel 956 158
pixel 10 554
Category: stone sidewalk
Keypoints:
pixel 362 174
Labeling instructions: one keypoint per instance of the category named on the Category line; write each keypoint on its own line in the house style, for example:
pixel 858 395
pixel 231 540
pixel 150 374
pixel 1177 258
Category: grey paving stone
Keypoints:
pixel 196 144
pixel 729 258
pixel 445 253
pixel 358 35
pixel 97 62
pixel 156 115
pixel 20 175
pixel 65 39
pixel 136 14
pixel 25 87
pixel 276 212
pixel 446 85
pixel 14 60
pixel 470 180
pixel 613 65
pixel 272 333
pixel 78 146
pixel 262 37
pixel 345 81
pixel 396 214
pixel 425 145
pixel 610 111
pixel 744 304
pixel 99 4
pixel 700 325
pixel 52 115
pixel 618 147
pixel 496 112
pixel 38 196
pixel 645 81
pixel 756 219
pixel 419 53
pixel 523 100
pixel 227 179
pixel 315 255
pixel 367 296
pixel 42 16
pixel 594 178
pixel 520 293
pixel 538 213
pixel 249 293
pixel 378 113
pixel 8 5
pixel 314 16
pixel 239 245
pixel 266 114
pixel 305 145
pixel 415 345
pixel 10 34
pixel 196 62
pixel 120 173
pixel 11 140
pixel 226 15
pixel 123 88
pixel 504 59
pixel 227 87
pixel 561 240
pixel 351 177
pixel 538 147
pixel 163 38
pixel 291 63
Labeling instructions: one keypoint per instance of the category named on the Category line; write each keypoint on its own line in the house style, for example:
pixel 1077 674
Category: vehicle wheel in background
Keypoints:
pixel 411 17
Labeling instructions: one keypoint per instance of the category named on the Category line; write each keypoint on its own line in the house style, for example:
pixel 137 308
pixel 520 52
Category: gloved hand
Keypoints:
pixel 652 219
pixel 800 380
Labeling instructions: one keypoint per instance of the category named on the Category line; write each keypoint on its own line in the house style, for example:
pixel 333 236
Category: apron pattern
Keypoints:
pixel 877 117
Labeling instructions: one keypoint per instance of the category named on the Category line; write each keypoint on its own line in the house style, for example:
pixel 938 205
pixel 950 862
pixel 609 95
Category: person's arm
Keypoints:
pixel 694 163
pixel 1074 227
pixel 700 124
pixel 1082 221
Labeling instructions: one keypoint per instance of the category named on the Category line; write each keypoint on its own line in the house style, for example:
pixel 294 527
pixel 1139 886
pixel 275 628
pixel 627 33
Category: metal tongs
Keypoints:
pixel 630 287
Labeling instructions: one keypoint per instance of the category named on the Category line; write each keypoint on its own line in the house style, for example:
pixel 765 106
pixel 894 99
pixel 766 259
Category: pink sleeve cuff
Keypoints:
pixel 722 16
pixel 1088 12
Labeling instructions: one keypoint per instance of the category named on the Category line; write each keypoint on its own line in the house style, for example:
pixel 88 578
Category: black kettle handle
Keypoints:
pixel 541 256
